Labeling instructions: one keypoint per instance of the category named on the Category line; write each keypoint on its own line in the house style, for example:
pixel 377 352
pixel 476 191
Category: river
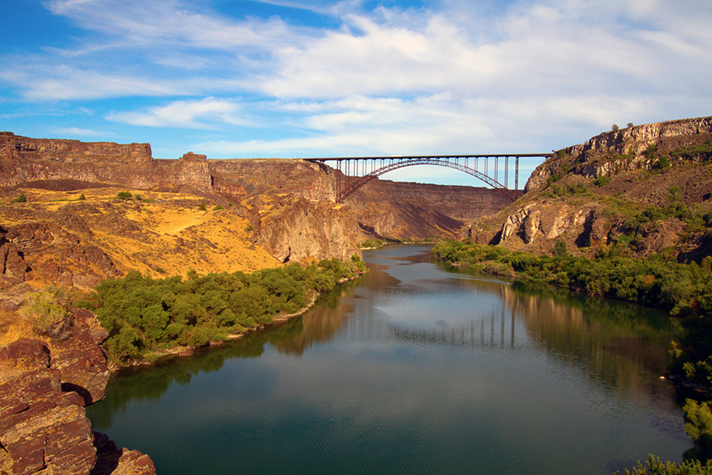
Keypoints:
pixel 415 369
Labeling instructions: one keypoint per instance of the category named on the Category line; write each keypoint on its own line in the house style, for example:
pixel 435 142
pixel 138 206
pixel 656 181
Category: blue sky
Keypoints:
pixel 317 78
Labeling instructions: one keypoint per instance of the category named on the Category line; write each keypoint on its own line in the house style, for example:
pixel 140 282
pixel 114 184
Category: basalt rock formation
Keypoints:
pixel 44 388
pixel 289 204
pixel 644 189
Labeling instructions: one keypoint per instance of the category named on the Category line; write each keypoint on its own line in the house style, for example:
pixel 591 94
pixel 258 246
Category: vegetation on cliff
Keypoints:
pixel 143 314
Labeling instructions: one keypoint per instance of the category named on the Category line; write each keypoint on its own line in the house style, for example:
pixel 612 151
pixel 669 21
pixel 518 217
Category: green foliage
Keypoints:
pixel 560 249
pixel 693 152
pixel 82 197
pixel 138 198
pixel 371 243
pixel 655 466
pixel 143 314
pixel 698 425
pixel 46 311
pixel 203 206
pixel 651 151
pixel 124 195
pixel 602 180
pixel 662 163
pixel 21 198
pixel 218 208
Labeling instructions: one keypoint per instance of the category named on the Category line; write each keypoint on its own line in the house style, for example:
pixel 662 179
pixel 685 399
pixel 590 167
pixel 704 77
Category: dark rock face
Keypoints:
pixel 25 148
pixel 43 423
pixel 65 256
pixel 80 359
pixel 114 461
pixel 42 427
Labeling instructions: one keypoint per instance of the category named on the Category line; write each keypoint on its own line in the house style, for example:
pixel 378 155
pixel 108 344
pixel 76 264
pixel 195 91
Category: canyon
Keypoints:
pixel 262 211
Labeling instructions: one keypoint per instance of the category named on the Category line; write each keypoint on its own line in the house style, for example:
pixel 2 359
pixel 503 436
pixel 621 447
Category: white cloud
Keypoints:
pixel 207 113
pixel 77 132
pixel 453 77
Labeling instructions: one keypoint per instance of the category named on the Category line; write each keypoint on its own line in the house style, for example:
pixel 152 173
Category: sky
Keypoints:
pixel 318 78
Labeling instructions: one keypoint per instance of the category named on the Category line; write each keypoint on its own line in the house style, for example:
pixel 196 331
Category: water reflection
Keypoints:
pixel 414 358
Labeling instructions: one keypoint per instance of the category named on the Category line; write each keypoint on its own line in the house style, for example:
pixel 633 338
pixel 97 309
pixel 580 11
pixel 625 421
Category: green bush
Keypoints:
pixel 143 314
pixel 21 198
pixel 46 311
pixel 655 466
pixel 602 180
pixel 124 195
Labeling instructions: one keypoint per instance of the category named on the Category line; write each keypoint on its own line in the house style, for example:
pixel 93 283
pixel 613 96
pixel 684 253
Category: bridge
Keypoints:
pixel 493 169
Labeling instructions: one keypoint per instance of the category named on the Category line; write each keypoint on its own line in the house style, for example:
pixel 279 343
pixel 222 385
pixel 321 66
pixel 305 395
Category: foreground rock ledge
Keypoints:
pixel 43 424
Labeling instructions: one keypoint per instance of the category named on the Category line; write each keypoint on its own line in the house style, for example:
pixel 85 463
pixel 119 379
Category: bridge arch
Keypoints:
pixel 355 172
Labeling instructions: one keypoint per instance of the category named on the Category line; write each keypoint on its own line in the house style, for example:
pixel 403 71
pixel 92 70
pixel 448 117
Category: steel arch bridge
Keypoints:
pixel 355 172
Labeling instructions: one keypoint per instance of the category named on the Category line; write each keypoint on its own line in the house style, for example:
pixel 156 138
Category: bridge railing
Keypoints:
pixel 355 172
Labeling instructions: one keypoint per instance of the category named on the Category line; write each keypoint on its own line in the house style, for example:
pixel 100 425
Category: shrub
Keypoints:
pixel 82 197
pixel 202 206
pixel 614 128
pixel 47 312
pixel 560 249
pixel 602 180
pixel 124 195
pixel 655 466
pixel 19 199
pixel 218 208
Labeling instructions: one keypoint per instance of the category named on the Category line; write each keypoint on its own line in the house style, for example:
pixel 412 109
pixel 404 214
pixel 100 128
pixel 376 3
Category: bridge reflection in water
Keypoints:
pixel 493 169
pixel 480 331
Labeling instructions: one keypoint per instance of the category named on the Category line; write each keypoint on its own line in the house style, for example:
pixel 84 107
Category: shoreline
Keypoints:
pixel 182 351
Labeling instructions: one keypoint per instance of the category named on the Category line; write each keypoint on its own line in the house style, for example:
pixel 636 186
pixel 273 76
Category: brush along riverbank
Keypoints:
pixel 149 318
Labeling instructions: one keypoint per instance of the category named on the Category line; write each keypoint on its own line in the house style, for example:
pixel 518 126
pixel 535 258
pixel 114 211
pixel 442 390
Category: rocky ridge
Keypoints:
pixel 44 387
pixel 266 192
pixel 646 188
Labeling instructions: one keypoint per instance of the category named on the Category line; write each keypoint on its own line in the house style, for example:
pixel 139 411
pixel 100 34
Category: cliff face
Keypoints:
pixel 44 387
pixel 632 148
pixel 289 203
pixel 643 189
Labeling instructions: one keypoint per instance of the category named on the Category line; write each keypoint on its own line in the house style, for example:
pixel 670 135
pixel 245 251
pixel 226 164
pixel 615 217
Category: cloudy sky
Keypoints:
pixel 318 78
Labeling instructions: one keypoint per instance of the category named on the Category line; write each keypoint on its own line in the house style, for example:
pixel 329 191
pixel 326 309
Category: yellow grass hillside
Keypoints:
pixel 161 234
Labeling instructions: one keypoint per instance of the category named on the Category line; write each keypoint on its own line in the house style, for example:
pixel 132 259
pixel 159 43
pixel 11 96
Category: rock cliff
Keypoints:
pixel 44 387
pixel 273 194
pixel 645 189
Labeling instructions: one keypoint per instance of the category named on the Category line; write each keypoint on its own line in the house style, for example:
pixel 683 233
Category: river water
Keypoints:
pixel 416 369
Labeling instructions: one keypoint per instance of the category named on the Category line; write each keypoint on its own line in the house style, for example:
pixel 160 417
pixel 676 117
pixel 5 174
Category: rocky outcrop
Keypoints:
pixel 382 209
pixel 62 256
pixel 43 390
pixel 304 229
pixel 621 150
pixel 28 149
pixel 593 196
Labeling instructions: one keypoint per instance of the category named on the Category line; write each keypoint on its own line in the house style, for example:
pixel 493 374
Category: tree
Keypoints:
pixel 560 249
pixel 614 128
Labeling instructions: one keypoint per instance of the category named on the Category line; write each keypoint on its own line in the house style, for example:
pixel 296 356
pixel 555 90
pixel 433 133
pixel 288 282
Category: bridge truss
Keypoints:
pixel 494 170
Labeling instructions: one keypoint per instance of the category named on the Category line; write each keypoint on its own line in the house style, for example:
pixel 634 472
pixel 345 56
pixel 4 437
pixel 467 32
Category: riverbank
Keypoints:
pixel 224 306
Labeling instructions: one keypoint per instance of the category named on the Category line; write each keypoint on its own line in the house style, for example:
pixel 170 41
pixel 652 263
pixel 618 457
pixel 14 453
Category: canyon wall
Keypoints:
pixel 44 388
pixel 644 189
pixel 274 193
